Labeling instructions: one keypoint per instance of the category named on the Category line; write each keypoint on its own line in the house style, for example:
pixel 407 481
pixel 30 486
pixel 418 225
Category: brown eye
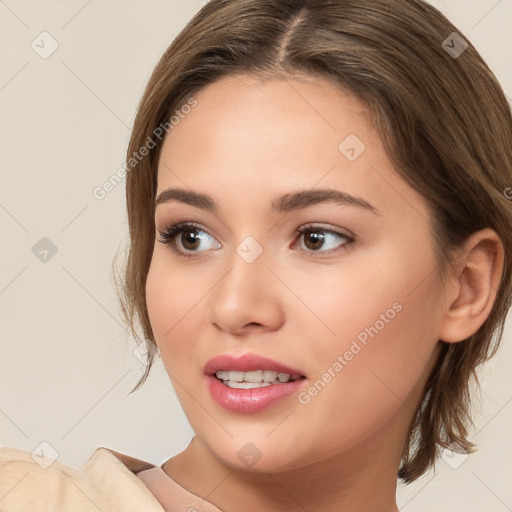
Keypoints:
pixel 313 240
pixel 188 239
pixel 322 240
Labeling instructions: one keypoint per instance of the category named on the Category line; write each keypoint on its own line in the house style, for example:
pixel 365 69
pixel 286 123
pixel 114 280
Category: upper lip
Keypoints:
pixel 247 363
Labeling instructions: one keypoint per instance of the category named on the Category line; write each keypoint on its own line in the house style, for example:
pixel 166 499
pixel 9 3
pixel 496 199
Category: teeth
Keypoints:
pixel 253 379
pixel 269 376
pixel 246 385
pixel 256 376
pixel 236 376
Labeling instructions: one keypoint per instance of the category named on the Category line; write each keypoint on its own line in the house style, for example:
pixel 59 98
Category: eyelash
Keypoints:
pixel 170 233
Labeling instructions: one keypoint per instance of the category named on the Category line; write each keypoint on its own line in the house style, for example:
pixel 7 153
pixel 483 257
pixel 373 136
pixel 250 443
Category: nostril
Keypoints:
pixel 253 324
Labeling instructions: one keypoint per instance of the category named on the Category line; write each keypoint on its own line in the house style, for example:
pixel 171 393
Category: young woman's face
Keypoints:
pixel 309 250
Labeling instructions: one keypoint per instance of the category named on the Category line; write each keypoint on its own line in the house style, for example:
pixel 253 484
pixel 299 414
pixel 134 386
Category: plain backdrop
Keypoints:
pixel 66 363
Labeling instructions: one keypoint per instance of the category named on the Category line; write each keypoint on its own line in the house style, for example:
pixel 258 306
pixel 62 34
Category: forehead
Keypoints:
pixel 293 107
pixel 278 135
pixel 242 123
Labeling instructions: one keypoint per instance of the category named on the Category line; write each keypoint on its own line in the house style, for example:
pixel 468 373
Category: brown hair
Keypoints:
pixel 444 120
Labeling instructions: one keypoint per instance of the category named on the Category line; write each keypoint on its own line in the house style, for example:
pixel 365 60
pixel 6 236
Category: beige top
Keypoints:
pixel 109 481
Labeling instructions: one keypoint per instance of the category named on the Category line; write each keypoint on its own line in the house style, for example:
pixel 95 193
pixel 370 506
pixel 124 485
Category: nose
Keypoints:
pixel 247 299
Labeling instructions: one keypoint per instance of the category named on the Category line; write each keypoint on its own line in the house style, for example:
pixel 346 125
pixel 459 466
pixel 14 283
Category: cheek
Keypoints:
pixel 382 348
pixel 378 325
pixel 174 296
pixel 366 291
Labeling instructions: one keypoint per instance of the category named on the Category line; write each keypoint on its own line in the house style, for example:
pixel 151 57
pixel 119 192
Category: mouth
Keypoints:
pixel 250 371
pixel 254 379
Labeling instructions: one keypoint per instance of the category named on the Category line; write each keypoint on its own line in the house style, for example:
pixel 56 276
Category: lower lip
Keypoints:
pixel 250 400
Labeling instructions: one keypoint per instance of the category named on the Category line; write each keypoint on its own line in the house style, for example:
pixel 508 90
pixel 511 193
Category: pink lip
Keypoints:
pixel 246 363
pixel 248 400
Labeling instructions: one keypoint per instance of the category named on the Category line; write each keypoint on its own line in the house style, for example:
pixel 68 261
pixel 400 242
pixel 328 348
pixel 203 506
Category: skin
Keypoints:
pixel 250 141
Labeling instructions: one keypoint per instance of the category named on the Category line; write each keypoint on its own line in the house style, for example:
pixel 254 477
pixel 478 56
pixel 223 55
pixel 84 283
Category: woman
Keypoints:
pixel 320 250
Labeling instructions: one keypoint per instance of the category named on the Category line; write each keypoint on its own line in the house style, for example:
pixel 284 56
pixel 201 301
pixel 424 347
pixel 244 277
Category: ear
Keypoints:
pixel 478 275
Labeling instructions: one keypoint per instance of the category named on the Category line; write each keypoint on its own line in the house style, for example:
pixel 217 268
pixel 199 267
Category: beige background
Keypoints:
pixel 65 367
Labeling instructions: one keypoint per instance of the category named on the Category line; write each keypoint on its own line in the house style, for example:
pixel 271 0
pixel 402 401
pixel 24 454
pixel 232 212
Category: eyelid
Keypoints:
pixel 324 227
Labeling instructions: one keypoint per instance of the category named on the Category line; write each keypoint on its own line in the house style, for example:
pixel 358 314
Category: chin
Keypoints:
pixel 259 455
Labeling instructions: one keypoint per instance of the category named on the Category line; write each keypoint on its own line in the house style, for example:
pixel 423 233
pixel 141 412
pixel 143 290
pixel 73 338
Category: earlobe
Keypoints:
pixel 478 275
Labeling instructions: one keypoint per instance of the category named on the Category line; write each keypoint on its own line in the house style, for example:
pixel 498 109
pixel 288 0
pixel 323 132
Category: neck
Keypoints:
pixel 359 481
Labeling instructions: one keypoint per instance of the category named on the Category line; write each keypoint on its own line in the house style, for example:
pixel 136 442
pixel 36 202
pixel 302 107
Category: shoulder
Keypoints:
pixel 107 481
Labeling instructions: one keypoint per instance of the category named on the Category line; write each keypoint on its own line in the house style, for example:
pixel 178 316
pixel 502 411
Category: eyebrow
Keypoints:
pixel 283 204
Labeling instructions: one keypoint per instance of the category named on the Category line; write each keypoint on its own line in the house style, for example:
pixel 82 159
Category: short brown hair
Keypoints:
pixel 444 120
